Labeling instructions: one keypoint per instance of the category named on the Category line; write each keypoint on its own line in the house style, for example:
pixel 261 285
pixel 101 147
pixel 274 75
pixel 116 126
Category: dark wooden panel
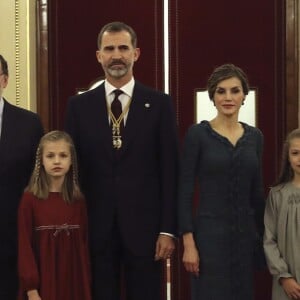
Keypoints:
pixel 292 64
pixel 43 101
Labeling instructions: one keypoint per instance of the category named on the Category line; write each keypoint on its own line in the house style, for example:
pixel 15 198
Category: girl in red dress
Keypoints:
pixel 53 247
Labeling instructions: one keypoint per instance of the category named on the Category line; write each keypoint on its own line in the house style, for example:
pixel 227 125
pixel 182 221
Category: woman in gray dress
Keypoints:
pixel 282 224
pixel 224 156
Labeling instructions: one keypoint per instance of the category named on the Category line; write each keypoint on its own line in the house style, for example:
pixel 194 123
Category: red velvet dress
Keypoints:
pixel 53 248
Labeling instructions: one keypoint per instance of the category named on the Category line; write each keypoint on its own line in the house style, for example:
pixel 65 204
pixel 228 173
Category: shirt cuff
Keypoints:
pixel 168 234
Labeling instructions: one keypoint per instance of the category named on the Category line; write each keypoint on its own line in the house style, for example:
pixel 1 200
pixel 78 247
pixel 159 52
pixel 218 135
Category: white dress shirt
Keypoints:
pixel 127 90
pixel 1 113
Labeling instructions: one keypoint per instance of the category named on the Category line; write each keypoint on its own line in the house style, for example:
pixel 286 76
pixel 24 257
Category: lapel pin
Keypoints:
pixel 147 105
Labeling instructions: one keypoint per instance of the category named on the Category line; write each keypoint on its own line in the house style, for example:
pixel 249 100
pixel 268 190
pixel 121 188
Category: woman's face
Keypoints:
pixel 294 155
pixel 229 96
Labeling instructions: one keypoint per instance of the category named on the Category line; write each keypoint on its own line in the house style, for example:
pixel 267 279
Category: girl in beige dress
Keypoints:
pixel 282 224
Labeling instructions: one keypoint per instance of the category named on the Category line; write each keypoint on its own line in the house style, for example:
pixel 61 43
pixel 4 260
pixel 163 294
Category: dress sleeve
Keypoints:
pixel 276 263
pixel 258 205
pixel 258 201
pixel 84 220
pixel 28 271
pixel 187 178
pixel 84 224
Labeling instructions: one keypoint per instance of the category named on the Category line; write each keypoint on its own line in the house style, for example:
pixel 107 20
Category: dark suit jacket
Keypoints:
pixel 20 134
pixel 136 187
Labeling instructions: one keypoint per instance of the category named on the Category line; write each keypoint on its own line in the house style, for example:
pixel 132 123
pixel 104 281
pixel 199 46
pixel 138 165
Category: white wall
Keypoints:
pixel 18 46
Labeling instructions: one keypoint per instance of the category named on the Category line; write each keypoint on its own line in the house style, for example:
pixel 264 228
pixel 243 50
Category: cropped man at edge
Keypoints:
pixel 20 132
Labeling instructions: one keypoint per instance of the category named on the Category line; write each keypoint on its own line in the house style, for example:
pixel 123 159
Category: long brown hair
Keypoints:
pixel 286 172
pixel 39 181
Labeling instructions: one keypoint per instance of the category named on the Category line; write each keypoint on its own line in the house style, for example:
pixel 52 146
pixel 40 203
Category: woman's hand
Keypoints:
pixel 291 287
pixel 191 259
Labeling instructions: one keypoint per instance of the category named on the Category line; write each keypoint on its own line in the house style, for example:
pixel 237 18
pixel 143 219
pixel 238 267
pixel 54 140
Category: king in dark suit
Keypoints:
pixel 20 133
pixel 127 174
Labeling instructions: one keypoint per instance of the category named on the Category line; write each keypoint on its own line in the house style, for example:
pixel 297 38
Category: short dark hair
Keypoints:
pixel 224 72
pixel 117 27
pixel 4 65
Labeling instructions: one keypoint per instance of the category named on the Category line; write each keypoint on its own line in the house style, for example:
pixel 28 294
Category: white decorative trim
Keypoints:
pixel 17 51
pixel 166 46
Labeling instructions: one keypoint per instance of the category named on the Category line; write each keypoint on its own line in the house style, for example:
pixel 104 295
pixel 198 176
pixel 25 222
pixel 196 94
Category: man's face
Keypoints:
pixel 3 80
pixel 117 55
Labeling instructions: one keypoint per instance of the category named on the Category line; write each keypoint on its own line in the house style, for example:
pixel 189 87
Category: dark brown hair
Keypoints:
pixel 4 65
pixel 224 72
pixel 117 27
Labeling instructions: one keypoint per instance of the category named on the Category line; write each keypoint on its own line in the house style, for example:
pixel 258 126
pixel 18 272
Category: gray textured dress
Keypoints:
pixel 282 236
pixel 230 201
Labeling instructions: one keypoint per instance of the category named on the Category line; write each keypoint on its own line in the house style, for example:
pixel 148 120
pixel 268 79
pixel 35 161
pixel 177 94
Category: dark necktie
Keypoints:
pixel 116 106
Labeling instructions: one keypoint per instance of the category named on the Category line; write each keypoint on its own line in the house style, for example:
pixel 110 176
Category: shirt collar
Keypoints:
pixel 1 107
pixel 127 88
pixel 1 113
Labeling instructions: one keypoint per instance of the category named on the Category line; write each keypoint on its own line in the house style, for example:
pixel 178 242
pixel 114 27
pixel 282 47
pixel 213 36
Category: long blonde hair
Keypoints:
pixel 39 181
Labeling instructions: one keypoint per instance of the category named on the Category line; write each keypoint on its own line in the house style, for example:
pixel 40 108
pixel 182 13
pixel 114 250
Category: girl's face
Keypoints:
pixel 229 96
pixel 294 155
pixel 56 158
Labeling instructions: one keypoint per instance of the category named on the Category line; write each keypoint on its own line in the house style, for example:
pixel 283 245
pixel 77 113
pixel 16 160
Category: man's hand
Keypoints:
pixel 33 295
pixel 164 247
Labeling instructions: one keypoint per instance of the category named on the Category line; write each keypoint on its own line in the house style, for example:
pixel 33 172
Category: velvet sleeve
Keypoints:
pixel 84 224
pixel 258 204
pixel 27 265
pixel 257 198
pixel 189 159
pixel 277 265
pixel 84 221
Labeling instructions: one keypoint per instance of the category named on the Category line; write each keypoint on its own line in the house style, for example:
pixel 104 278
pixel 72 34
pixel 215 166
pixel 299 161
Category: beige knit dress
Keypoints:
pixel 282 236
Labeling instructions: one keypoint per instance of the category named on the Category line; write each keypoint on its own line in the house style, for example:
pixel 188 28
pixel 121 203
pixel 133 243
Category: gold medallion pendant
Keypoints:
pixel 116 124
pixel 117 141
pixel 116 136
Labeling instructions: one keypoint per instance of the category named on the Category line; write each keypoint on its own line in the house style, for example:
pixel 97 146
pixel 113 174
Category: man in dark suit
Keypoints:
pixel 128 171
pixel 20 131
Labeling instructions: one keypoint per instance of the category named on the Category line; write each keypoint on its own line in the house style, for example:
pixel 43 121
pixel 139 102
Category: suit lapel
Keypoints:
pixel 136 116
pixel 99 111
pixel 7 125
